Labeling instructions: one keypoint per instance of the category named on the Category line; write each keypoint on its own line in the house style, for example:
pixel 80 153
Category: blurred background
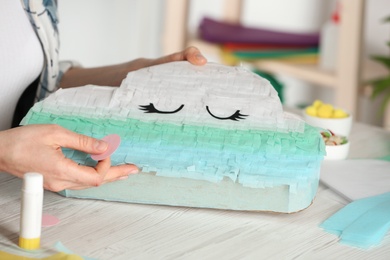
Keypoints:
pixel 102 32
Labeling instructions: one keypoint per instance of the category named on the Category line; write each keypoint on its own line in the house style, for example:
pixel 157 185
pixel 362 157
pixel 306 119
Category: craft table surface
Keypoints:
pixel 112 230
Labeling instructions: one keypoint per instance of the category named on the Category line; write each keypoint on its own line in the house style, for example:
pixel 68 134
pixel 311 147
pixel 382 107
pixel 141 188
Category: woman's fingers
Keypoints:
pixel 74 176
pixel 38 148
pixel 69 139
pixel 191 54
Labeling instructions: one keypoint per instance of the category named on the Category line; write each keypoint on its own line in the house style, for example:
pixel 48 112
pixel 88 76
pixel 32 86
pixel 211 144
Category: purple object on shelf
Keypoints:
pixel 221 32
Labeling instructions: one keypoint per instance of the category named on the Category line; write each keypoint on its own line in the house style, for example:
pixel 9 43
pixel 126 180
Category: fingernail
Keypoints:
pixel 101 145
pixel 200 57
pixel 134 171
pixel 123 178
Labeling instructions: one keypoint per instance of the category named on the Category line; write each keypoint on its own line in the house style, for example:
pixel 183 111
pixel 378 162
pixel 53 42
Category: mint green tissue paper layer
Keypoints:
pixel 253 158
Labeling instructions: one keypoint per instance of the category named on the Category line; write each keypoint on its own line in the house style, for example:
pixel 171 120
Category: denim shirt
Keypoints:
pixel 44 19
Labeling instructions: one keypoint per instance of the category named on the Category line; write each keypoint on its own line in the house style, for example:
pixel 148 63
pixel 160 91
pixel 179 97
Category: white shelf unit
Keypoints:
pixel 350 78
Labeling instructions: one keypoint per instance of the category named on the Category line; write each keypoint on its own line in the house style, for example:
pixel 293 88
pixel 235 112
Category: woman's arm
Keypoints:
pixel 113 75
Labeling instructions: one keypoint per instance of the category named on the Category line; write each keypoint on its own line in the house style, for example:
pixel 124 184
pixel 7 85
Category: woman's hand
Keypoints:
pixel 191 54
pixel 37 148
pixel 113 75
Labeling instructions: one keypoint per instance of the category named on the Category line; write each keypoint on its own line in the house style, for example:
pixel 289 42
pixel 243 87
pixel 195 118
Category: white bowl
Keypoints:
pixel 339 126
pixel 337 152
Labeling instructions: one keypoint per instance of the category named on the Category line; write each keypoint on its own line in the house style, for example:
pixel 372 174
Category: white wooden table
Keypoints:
pixel 112 230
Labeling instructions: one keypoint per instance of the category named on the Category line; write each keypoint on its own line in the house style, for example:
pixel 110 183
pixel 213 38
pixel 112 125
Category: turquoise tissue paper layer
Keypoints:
pixel 252 158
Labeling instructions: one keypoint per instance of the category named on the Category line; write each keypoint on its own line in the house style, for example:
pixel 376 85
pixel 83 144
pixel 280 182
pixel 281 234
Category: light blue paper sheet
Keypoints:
pixel 362 223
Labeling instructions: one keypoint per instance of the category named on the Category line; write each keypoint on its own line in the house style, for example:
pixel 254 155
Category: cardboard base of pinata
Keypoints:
pixel 147 188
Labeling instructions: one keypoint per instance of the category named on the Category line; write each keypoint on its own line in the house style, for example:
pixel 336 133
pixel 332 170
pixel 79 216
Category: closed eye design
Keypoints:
pixel 235 117
pixel 151 109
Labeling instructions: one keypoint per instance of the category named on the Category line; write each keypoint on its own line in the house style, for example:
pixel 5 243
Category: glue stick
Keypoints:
pixel 31 211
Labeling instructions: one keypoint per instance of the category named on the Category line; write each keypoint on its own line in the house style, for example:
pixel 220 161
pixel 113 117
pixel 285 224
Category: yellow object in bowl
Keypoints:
pixel 339 113
pixel 311 110
pixel 323 110
pixel 317 103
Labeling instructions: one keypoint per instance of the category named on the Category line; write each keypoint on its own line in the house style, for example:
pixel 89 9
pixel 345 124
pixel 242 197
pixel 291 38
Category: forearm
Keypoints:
pixel 3 150
pixel 101 76
pixel 114 74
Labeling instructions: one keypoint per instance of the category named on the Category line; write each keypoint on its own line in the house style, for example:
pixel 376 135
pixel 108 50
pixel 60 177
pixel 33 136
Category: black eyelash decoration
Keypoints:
pixel 151 109
pixel 235 117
